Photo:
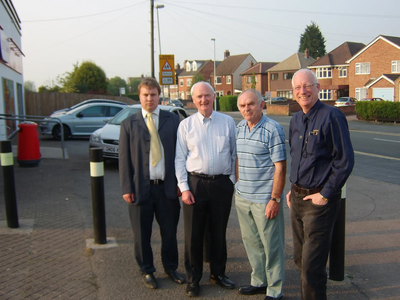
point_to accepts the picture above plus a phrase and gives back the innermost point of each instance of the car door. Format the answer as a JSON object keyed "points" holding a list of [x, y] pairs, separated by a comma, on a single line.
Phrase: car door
{"points": [[92, 118]]}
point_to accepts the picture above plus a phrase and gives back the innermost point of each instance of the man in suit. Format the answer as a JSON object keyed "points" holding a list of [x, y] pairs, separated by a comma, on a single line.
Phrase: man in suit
{"points": [[147, 174]]}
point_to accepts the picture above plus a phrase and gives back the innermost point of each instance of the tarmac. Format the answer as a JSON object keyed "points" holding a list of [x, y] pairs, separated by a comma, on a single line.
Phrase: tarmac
{"points": [[52, 254]]}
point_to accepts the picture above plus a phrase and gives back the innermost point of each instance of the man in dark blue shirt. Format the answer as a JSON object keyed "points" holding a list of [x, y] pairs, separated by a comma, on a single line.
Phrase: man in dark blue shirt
{"points": [[322, 160]]}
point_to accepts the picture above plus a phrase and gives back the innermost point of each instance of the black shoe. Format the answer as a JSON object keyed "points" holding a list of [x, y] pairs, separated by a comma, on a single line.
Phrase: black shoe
{"points": [[150, 281], [252, 290], [192, 289], [222, 281], [272, 298], [174, 275]]}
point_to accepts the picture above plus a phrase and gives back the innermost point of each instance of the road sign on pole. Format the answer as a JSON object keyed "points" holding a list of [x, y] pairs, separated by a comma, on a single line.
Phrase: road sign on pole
{"points": [[167, 69]]}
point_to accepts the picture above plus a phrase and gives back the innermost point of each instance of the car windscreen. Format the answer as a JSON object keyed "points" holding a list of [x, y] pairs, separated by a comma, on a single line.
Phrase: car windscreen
{"points": [[341, 100], [123, 114]]}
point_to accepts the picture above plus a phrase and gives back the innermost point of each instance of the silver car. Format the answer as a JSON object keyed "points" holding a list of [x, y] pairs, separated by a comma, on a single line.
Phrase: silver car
{"points": [[80, 121], [107, 137], [345, 101]]}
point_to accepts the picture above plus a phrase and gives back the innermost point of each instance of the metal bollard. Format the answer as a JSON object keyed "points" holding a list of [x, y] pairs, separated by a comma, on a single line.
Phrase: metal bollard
{"points": [[98, 204], [337, 253], [7, 163]]}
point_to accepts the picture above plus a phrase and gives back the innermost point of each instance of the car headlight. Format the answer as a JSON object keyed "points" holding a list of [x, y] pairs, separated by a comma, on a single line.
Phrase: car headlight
{"points": [[95, 138]]}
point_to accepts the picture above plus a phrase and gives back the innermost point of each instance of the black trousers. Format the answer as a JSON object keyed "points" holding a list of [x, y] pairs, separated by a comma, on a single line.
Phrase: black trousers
{"points": [[166, 212], [312, 227], [213, 201]]}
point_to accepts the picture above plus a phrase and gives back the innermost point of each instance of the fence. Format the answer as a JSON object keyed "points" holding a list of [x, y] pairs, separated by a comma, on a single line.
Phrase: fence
{"points": [[43, 104]]}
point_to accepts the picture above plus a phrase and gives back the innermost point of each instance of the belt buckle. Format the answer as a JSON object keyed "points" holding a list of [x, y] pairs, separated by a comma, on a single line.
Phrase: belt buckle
{"points": [[155, 181]]}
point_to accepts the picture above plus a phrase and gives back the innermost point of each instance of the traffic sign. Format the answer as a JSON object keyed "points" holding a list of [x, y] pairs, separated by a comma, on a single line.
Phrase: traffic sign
{"points": [[167, 69]]}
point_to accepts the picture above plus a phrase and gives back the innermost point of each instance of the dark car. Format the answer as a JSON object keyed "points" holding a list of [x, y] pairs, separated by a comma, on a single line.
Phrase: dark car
{"points": [[87, 102], [175, 102]]}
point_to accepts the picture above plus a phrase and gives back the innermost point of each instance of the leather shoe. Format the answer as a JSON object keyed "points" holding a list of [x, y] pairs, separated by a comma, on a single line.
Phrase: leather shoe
{"points": [[192, 289], [272, 298], [222, 281], [150, 281], [252, 290], [174, 275]]}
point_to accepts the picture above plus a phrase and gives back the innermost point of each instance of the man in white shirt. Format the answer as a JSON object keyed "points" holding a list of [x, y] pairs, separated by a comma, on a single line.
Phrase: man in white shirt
{"points": [[205, 169]]}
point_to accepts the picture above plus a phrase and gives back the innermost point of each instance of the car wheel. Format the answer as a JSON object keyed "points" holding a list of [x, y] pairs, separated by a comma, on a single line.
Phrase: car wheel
{"points": [[57, 132]]}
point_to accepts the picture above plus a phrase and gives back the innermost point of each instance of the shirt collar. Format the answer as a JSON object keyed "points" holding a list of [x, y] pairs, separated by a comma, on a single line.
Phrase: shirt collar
{"points": [[156, 112], [203, 119]]}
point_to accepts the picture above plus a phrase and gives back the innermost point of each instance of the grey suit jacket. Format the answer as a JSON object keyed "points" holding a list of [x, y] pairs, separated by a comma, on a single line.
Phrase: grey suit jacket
{"points": [[134, 151]]}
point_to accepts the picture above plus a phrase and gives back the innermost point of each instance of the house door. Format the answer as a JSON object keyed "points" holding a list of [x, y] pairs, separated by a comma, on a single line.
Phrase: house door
{"points": [[384, 93]]}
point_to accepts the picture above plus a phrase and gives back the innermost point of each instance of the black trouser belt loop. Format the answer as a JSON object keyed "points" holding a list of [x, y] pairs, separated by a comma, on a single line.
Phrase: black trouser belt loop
{"points": [[156, 182], [301, 190], [207, 177]]}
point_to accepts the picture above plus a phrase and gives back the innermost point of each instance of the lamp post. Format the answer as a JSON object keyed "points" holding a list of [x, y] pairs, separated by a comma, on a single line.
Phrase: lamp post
{"points": [[152, 36], [159, 6], [215, 78]]}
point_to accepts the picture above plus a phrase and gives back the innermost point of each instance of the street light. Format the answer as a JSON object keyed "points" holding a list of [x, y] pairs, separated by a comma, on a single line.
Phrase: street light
{"points": [[159, 6], [215, 78]]}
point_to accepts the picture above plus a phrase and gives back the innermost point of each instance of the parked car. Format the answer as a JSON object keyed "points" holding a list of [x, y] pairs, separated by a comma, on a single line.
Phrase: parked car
{"points": [[87, 102], [275, 99], [371, 99], [80, 121], [345, 101], [175, 102], [108, 136]]}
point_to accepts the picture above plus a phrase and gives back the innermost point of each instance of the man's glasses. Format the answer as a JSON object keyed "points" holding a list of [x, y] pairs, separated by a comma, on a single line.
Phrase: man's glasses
{"points": [[306, 87]]}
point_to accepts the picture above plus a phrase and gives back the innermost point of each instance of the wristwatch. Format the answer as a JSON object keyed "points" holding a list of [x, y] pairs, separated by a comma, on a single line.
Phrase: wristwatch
{"points": [[323, 198], [276, 200]]}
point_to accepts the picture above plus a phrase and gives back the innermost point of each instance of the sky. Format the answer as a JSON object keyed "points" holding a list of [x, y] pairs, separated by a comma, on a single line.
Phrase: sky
{"points": [[115, 35]]}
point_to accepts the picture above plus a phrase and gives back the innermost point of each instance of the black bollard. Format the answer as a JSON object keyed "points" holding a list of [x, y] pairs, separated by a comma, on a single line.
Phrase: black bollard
{"points": [[98, 204], [337, 253], [7, 163]]}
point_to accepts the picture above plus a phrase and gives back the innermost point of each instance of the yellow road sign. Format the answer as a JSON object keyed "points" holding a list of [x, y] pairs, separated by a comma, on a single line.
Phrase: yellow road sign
{"points": [[167, 69]]}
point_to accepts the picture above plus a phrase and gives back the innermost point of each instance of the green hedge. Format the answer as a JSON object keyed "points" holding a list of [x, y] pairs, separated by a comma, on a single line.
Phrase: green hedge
{"points": [[228, 103], [134, 96], [378, 110]]}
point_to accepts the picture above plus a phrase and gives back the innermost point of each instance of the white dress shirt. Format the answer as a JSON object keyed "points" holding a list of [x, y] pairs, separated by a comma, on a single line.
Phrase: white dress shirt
{"points": [[157, 172], [205, 145]]}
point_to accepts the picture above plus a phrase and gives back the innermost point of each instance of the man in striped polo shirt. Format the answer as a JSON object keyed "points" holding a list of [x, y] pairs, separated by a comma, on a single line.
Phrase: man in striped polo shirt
{"points": [[261, 171]]}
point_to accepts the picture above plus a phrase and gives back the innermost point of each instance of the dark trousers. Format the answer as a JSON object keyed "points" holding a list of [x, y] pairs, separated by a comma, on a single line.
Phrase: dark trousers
{"points": [[166, 212], [213, 201], [312, 227]]}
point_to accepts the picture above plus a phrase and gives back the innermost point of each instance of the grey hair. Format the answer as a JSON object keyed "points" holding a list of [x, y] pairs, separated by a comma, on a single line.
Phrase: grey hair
{"points": [[257, 93], [305, 70], [205, 82]]}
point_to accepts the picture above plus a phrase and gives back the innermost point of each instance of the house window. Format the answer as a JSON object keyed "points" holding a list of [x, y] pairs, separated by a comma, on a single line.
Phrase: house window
{"points": [[274, 76], [180, 82], [188, 66], [218, 80], [342, 71], [396, 66], [228, 79], [287, 94], [248, 79], [325, 95], [324, 72], [219, 93], [361, 93], [287, 76], [363, 68], [183, 95], [189, 82], [194, 66]]}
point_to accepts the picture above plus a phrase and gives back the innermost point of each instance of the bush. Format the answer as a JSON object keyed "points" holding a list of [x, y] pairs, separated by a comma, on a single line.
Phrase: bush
{"points": [[133, 96], [377, 110], [228, 103]]}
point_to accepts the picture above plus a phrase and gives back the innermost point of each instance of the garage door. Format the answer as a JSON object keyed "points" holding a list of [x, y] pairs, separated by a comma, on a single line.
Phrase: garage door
{"points": [[384, 93]]}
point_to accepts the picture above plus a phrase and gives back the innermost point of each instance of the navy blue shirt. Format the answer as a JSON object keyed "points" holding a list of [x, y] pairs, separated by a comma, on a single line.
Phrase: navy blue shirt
{"points": [[326, 156]]}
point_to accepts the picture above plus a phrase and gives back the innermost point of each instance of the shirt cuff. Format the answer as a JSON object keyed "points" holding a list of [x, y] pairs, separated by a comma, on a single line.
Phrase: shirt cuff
{"points": [[183, 186]]}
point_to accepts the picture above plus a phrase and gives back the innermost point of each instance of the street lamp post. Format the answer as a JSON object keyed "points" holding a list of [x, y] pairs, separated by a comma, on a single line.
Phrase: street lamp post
{"points": [[159, 6], [152, 36], [215, 78]]}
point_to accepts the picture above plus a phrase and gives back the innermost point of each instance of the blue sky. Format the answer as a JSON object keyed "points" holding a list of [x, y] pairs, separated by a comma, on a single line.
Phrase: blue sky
{"points": [[116, 34]]}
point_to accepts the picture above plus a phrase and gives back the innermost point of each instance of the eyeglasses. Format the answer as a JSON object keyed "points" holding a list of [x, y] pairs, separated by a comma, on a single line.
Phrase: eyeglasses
{"points": [[306, 87]]}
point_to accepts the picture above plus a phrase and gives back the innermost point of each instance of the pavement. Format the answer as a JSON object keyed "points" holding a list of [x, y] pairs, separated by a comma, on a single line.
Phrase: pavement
{"points": [[52, 254]]}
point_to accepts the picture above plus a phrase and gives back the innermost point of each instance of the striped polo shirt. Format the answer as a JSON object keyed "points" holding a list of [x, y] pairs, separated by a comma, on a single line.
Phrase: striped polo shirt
{"points": [[257, 150]]}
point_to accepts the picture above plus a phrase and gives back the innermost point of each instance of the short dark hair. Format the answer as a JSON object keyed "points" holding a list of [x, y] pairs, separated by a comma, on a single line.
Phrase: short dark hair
{"points": [[150, 83]]}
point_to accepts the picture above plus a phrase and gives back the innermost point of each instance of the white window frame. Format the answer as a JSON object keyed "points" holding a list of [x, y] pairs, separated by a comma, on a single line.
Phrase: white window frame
{"points": [[219, 93], [395, 66], [360, 93], [286, 75], [228, 79], [180, 82], [183, 95], [189, 82], [325, 95], [274, 76], [188, 66], [342, 72], [325, 72], [194, 66], [218, 78], [363, 68]]}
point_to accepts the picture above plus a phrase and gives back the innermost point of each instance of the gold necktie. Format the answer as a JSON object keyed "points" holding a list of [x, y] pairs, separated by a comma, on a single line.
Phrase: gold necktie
{"points": [[155, 149]]}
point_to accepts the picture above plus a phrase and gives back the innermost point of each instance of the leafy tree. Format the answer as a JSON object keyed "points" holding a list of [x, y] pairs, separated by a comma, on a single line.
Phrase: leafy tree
{"points": [[114, 84], [313, 40], [29, 86], [46, 88], [133, 85], [67, 81], [90, 78], [253, 81], [196, 78]]}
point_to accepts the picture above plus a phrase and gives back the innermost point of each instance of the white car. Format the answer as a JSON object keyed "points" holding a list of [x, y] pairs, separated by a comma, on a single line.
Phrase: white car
{"points": [[107, 137], [345, 101]]}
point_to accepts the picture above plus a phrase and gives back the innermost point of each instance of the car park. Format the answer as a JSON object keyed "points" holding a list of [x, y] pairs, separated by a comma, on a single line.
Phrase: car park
{"points": [[175, 102], [371, 99], [345, 101], [87, 102], [107, 137], [80, 121]]}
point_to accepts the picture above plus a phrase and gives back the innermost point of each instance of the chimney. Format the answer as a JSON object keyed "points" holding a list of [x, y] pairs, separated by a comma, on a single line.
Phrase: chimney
{"points": [[178, 67], [226, 54], [306, 53], [251, 63]]}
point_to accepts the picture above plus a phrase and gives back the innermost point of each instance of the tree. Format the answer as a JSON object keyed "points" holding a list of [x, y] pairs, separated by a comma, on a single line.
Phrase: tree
{"points": [[114, 84], [313, 40], [253, 81], [196, 78], [67, 81], [29, 86], [90, 78], [133, 84], [47, 89]]}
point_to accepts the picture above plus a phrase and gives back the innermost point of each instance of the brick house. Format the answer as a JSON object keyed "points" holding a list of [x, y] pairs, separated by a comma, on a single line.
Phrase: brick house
{"points": [[375, 70], [260, 73], [331, 71], [190, 70], [228, 80], [280, 75]]}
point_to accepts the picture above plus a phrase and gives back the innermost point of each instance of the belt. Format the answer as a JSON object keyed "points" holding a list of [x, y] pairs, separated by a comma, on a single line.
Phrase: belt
{"points": [[156, 182], [207, 177], [301, 190]]}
